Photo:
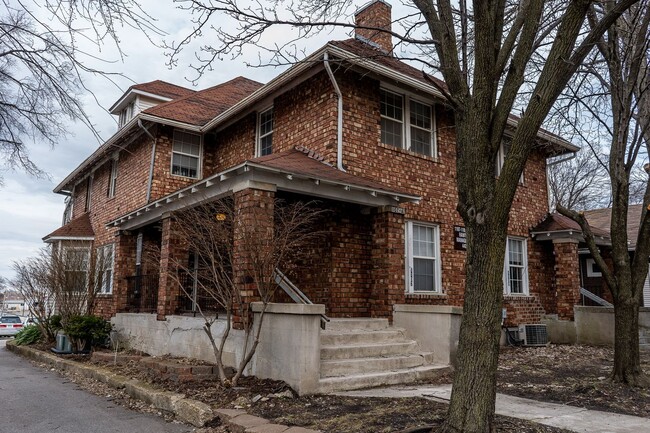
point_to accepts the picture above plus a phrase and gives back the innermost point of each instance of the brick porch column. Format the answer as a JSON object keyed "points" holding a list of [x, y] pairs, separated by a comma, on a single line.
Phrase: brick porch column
{"points": [[567, 277], [124, 266], [171, 249], [253, 208], [387, 261]]}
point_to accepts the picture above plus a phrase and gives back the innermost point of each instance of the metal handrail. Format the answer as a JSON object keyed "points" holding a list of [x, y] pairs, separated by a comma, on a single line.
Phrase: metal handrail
{"points": [[597, 299], [294, 292]]}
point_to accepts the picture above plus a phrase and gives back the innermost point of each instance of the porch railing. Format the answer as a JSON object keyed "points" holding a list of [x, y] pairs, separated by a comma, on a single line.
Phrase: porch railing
{"points": [[142, 293], [594, 298], [194, 298]]}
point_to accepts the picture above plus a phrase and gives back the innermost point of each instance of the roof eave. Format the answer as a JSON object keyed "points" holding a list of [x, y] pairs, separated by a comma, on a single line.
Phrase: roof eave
{"points": [[121, 103]]}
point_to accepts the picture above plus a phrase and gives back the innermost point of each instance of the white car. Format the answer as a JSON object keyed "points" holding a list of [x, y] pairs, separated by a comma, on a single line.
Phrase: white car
{"points": [[10, 325]]}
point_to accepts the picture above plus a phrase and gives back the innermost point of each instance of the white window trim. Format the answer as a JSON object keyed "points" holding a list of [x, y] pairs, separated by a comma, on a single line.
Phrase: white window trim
{"points": [[258, 130], [101, 272], [501, 159], [409, 279], [199, 169], [112, 178], [406, 120], [589, 263], [506, 268]]}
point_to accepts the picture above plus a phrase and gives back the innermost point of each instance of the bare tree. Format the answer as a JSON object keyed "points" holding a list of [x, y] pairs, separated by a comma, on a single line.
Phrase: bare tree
{"points": [[579, 183], [43, 68], [625, 83], [61, 280], [217, 236], [489, 56]]}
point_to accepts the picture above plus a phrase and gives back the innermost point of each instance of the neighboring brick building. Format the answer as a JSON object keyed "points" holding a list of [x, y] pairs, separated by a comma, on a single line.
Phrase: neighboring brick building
{"points": [[388, 176]]}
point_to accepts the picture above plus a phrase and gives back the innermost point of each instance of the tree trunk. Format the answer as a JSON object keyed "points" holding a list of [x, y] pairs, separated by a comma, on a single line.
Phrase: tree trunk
{"points": [[627, 368], [471, 408], [473, 396]]}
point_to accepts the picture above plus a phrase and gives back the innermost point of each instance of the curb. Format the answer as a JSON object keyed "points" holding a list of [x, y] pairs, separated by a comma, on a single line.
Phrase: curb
{"points": [[190, 411]]}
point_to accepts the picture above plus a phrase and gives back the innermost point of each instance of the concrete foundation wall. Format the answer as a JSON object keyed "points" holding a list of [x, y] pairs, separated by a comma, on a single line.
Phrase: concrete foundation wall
{"points": [[289, 347], [435, 327], [177, 336], [595, 325], [560, 331]]}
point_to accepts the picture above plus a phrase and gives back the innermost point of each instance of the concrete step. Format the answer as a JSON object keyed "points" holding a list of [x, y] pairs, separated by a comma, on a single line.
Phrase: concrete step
{"points": [[368, 350], [356, 323], [346, 367], [371, 380], [338, 338]]}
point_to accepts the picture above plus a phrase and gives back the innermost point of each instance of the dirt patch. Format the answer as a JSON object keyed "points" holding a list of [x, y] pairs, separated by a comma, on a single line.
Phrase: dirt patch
{"points": [[573, 375]]}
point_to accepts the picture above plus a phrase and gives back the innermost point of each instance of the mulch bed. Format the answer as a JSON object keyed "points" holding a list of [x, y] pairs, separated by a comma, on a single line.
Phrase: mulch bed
{"points": [[576, 375], [573, 375]]}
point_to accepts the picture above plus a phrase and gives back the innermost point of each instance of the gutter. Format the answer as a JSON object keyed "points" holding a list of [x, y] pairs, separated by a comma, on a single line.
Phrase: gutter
{"points": [[153, 158], [339, 120]]}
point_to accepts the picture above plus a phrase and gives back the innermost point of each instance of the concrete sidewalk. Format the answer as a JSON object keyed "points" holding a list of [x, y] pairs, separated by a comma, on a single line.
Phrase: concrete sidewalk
{"points": [[556, 415]]}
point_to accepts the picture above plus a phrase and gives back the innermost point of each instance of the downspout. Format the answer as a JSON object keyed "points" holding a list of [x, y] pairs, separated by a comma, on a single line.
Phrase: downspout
{"points": [[550, 164], [339, 125], [153, 158]]}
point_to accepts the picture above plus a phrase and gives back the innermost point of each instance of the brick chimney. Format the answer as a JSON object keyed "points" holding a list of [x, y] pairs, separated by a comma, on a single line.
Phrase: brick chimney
{"points": [[375, 14]]}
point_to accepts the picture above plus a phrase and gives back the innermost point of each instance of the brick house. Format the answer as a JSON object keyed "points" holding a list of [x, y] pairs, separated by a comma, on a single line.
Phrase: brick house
{"points": [[365, 133]]}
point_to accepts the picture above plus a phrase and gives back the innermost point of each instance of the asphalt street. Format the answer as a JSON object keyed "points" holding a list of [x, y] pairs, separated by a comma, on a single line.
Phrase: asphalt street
{"points": [[33, 400]]}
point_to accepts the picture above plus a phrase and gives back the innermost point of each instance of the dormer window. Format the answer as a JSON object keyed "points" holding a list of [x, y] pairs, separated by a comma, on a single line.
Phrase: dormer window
{"points": [[186, 154], [407, 123], [127, 114]]}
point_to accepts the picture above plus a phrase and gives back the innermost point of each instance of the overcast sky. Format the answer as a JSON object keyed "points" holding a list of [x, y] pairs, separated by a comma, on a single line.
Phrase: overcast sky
{"points": [[29, 209]]}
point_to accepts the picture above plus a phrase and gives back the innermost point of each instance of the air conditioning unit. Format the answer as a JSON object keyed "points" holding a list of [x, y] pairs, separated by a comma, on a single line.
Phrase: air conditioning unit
{"points": [[533, 335]]}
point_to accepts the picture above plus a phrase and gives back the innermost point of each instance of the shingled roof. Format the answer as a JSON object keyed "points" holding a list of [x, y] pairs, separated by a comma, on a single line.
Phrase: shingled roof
{"points": [[304, 162], [78, 228], [163, 88], [200, 107], [602, 219]]}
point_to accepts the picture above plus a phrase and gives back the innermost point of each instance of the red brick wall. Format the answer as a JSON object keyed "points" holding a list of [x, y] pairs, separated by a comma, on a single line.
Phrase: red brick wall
{"points": [[378, 14], [567, 282]]}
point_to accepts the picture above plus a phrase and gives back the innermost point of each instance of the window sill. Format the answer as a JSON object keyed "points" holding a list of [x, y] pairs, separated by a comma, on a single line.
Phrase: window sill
{"points": [[518, 297], [425, 295], [408, 152], [104, 295]]}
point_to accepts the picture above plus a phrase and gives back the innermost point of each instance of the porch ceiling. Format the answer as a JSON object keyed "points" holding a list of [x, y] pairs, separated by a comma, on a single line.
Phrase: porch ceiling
{"points": [[269, 174]]}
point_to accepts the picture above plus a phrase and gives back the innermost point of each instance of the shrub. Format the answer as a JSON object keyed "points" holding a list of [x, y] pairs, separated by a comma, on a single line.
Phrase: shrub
{"points": [[28, 335], [87, 331]]}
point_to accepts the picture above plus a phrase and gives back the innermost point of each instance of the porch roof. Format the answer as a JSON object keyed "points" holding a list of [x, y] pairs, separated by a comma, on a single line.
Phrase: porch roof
{"points": [[78, 229], [298, 170], [557, 226]]}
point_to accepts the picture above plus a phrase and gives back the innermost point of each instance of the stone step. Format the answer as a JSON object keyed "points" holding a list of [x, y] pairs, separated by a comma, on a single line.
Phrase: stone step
{"points": [[356, 323], [371, 380], [368, 350], [343, 367], [338, 338]]}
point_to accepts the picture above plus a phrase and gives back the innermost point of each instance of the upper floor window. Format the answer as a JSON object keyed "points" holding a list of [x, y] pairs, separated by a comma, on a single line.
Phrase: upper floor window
{"points": [[67, 213], [112, 179], [423, 258], [265, 133], [502, 153], [515, 270], [89, 193], [126, 114], [407, 123], [186, 153]]}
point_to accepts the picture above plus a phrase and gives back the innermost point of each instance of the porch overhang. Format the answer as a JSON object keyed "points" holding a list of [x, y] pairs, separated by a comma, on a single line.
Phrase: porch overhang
{"points": [[575, 235], [257, 175]]}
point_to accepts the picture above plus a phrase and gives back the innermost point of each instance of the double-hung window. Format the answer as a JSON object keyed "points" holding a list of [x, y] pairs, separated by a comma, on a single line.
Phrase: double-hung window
{"points": [[423, 258], [75, 265], [515, 273], [186, 154], [407, 123], [104, 268], [504, 149], [265, 133], [112, 179]]}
